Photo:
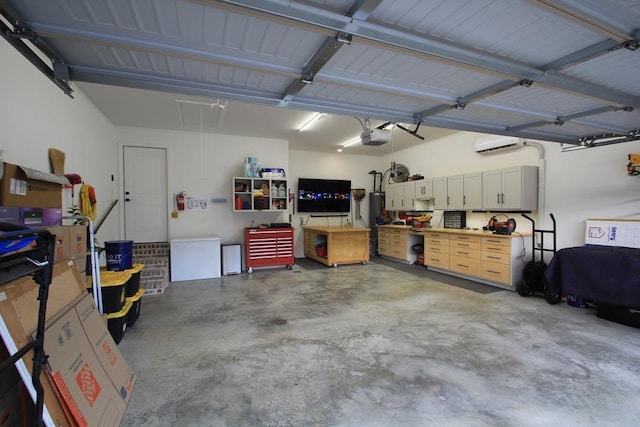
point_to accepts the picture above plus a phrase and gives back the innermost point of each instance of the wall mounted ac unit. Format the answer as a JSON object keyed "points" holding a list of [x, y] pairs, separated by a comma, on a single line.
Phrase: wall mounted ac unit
{"points": [[495, 143]]}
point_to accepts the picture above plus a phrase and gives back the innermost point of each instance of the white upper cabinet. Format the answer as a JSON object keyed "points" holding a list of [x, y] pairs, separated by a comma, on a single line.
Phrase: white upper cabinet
{"points": [[455, 192], [409, 202], [472, 199], [440, 193], [424, 189], [402, 197], [389, 196], [513, 188]]}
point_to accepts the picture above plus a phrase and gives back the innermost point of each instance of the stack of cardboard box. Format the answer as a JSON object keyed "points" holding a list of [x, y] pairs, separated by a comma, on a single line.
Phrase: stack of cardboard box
{"points": [[86, 381], [34, 199]]}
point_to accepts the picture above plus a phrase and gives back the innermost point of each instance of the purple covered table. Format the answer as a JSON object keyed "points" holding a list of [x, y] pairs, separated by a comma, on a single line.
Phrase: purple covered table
{"points": [[600, 273]]}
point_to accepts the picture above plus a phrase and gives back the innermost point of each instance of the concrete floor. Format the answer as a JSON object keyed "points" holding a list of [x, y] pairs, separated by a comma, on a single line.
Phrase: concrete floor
{"points": [[369, 345]]}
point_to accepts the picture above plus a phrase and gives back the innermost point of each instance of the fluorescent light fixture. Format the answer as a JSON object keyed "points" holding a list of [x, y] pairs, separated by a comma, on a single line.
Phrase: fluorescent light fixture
{"points": [[352, 142], [308, 122]]}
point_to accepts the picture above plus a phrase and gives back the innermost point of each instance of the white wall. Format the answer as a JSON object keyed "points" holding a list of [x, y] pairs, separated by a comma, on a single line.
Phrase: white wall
{"points": [[306, 164], [210, 175], [582, 184], [36, 115]]}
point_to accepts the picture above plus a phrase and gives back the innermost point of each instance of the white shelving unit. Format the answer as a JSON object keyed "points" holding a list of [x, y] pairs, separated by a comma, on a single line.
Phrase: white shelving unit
{"points": [[260, 194]]}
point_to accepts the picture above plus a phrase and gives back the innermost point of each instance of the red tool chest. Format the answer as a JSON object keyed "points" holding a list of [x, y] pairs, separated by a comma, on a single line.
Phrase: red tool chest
{"points": [[268, 247]]}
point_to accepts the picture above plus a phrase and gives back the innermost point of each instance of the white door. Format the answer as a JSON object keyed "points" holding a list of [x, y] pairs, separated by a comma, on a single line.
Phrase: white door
{"points": [[145, 194]]}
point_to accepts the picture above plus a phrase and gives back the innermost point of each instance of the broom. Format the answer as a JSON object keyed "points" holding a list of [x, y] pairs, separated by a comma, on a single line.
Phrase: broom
{"points": [[56, 157]]}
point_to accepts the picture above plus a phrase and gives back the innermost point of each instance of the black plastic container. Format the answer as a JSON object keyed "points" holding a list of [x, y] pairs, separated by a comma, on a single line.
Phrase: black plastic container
{"points": [[133, 285], [113, 289], [117, 323], [136, 305], [629, 316]]}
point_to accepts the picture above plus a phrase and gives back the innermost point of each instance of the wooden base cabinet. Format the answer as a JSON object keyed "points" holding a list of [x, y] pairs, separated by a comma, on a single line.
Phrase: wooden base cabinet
{"points": [[333, 246], [384, 241], [396, 241], [488, 258], [436, 250], [496, 260], [464, 254]]}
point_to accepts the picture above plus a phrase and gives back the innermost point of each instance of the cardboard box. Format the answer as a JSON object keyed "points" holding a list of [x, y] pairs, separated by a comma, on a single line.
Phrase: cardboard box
{"points": [[120, 373], [71, 242], [27, 187], [31, 217], [61, 250], [66, 287], [78, 375], [19, 307], [87, 377], [77, 240], [613, 232]]}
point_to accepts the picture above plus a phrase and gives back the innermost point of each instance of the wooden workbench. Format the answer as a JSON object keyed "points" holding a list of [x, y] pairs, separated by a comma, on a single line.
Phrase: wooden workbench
{"points": [[344, 245]]}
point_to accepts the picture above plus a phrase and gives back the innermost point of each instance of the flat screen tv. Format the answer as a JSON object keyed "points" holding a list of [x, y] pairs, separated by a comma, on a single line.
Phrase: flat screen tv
{"points": [[324, 195]]}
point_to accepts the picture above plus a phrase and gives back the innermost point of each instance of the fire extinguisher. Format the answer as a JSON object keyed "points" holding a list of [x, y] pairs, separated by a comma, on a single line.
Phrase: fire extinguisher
{"points": [[180, 201]]}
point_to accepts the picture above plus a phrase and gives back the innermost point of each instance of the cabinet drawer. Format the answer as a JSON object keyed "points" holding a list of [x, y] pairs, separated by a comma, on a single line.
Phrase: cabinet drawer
{"points": [[465, 244], [398, 252], [437, 260], [437, 235], [436, 249], [383, 244], [465, 238], [497, 257], [398, 240], [435, 240], [464, 252], [464, 265], [493, 241], [398, 232], [496, 272]]}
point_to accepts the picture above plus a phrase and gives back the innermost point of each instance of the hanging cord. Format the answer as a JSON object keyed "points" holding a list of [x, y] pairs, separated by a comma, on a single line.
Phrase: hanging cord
{"points": [[201, 148]]}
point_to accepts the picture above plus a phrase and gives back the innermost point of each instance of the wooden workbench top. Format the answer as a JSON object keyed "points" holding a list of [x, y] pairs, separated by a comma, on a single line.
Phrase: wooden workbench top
{"points": [[334, 229]]}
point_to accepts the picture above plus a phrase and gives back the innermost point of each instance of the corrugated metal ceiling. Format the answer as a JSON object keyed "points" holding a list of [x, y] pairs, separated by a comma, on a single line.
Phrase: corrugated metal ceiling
{"points": [[563, 71]]}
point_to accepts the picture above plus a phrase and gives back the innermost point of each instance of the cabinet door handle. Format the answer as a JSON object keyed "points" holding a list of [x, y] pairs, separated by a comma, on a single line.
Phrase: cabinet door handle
{"points": [[502, 199], [498, 201]]}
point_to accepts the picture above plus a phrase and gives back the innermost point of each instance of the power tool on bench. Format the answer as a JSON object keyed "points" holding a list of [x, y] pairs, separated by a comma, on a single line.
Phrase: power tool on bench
{"points": [[502, 227]]}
